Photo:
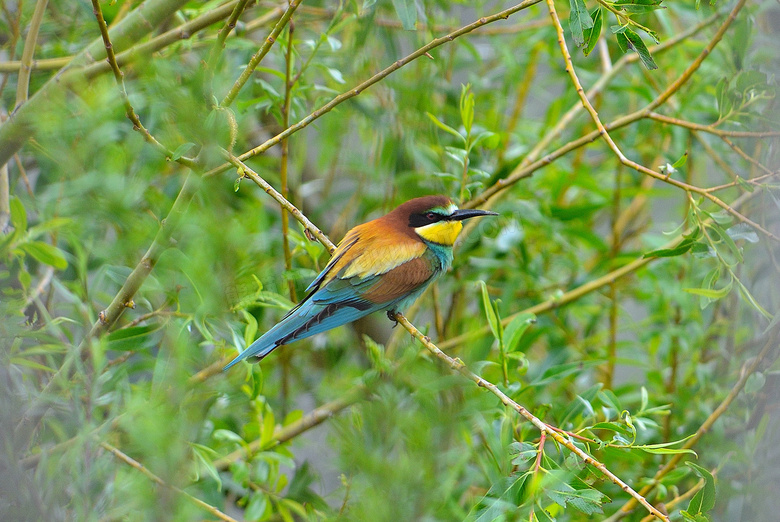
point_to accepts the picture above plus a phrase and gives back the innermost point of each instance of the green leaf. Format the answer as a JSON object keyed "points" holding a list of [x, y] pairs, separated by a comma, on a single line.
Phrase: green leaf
{"points": [[258, 503], [490, 312], [704, 499], [592, 34], [755, 382], [683, 247], [681, 160], [588, 501], [561, 371], [132, 338], [204, 455], [467, 108], [611, 426], [579, 20], [638, 6], [18, 215], [664, 445], [445, 127], [747, 296], [407, 13], [515, 330], [635, 43], [46, 254], [335, 74], [250, 332], [181, 150], [711, 293]]}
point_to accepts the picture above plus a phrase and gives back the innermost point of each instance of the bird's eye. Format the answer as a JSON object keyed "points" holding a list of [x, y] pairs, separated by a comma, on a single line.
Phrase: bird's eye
{"points": [[431, 216]]}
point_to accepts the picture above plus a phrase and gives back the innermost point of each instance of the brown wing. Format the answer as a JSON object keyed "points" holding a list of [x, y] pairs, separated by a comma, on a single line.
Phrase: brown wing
{"points": [[399, 281]]}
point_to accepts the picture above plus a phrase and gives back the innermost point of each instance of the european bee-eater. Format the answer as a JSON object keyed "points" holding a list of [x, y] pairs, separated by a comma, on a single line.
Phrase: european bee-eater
{"points": [[384, 264]]}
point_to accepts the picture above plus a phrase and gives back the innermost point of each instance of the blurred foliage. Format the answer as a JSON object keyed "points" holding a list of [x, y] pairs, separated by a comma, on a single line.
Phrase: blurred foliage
{"points": [[633, 368]]}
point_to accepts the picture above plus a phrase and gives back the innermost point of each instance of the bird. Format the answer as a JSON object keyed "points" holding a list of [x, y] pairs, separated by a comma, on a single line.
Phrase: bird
{"points": [[383, 264]]}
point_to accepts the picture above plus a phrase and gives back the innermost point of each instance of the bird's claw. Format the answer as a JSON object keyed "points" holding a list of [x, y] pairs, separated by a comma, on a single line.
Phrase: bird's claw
{"points": [[391, 316]]}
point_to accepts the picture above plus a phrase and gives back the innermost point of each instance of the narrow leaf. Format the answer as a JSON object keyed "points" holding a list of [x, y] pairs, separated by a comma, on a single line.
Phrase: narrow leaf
{"points": [[579, 21], [407, 13], [46, 254], [446, 128], [592, 35], [489, 311], [639, 46], [704, 499]]}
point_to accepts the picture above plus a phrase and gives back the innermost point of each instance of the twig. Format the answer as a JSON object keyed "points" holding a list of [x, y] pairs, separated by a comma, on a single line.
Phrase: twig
{"points": [[709, 128], [118, 75], [460, 367], [219, 44], [355, 91], [21, 125], [282, 435], [260, 54], [747, 371], [584, 289], [245, 171], [23, 81], [157, 480], [284, 166]]}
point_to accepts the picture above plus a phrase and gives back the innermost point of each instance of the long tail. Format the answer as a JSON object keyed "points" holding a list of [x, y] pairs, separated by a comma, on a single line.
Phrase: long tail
{"points": [[307, 319]]}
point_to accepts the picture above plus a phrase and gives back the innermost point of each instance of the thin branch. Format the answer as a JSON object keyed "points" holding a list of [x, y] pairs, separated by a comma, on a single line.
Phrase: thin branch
{"points": [[745, 374], [260, 54], [219, 44], [245, 171], [584, 289], [709, 128], [284, 166], [578, 86], [282, 435], [122, 300], [460, 367], [160, 482], [119, 76], [22, 123], [355, 91], [23, 81]]}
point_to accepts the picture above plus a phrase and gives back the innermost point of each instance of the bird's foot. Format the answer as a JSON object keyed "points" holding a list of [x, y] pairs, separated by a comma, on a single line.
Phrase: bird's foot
{"points": [[391, 316]]}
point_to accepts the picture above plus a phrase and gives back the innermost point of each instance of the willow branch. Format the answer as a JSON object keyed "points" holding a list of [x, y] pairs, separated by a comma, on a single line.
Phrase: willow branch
{"points": [[355, 91], [282, 435], [160, 482], [246, 171], [745, 374], [460, 367], [119, 77], [23, 81], [710, 129], [260, 54], [219, 44]]}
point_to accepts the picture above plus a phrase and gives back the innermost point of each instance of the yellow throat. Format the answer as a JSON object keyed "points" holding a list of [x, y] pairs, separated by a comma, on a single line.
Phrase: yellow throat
{"points": [[441, 232]]}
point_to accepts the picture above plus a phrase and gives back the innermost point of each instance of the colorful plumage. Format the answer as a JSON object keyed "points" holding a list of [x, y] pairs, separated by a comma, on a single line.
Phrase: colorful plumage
{"points": [[384, 264]]}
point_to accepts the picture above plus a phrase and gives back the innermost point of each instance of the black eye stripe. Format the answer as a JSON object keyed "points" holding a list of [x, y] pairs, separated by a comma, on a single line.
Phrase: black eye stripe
{"points": [[426, 218]]}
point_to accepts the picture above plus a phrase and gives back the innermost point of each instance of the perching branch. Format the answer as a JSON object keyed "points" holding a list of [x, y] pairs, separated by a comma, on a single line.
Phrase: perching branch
{"points": [[457, 365]]}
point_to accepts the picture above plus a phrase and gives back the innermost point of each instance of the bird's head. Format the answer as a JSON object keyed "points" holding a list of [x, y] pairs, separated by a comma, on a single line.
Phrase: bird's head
{"points": [[435, 219]]}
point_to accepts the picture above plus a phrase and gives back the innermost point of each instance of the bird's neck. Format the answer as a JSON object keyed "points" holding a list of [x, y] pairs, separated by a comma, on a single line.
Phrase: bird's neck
{"points": [[441, 254]]}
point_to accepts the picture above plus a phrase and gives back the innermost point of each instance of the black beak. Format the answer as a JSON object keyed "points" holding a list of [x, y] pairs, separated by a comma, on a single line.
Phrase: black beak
{"points": [[466, 213]]}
